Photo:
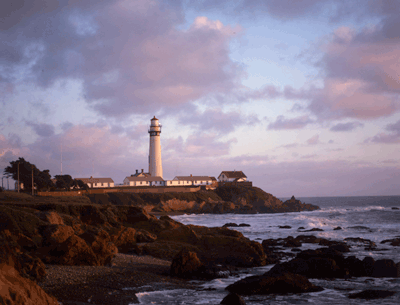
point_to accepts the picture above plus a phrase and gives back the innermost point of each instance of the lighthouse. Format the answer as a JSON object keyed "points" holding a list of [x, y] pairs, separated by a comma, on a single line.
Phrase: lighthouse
{"points": [[155, 165]]}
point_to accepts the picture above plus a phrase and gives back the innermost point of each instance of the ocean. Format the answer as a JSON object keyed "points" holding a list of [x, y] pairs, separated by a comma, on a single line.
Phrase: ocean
{"points": [[376, 218]]}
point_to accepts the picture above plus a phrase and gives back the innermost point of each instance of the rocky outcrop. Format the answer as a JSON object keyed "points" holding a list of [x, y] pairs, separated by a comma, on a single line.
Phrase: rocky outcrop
{"points": [[371, 294], [16, 290], [273, 283], [233, 299], [185, 264]]}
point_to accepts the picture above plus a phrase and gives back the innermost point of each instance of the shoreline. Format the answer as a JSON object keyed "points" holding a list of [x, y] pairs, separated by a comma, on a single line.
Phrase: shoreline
{"points": [[117, 283]]}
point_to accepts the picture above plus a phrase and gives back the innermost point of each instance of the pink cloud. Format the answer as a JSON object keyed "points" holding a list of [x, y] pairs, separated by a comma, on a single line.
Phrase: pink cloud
{"points": [[293, 123], [313, 140]]}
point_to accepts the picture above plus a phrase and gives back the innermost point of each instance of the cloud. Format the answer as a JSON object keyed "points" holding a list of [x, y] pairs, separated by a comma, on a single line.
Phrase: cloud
{"points": [[294, 123], [346, 126], [150, 64], [313, 140], [216, 120], [393, 137], [42, 129]]}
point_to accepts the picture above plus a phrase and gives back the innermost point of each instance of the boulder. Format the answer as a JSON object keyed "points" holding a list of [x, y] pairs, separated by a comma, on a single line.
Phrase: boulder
{"points": [[368, 265], [56, 234], [124, 239], [393, 242], [372, 294], [182, 234], [185, 264], [233, 299], [51, 217], [384, 268], [337, 228], [277, 284], [100, 243], [142, 236], [17, 290], [92, 215], [230, 224], [73, 252], [285, 227], [244, 225]]}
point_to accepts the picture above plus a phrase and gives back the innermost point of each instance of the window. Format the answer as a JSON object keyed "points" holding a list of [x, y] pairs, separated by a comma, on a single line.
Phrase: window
{"points": [[140, 182]]}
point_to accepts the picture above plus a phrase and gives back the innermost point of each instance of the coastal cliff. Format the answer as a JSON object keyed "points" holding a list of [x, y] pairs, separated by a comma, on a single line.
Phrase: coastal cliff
{"points": [[224, 199]]}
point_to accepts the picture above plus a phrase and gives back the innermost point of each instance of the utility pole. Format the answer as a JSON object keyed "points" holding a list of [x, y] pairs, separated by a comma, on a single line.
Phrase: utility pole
{"points": [[32, 179], [61, 159], [18, 176], [8, 185]]}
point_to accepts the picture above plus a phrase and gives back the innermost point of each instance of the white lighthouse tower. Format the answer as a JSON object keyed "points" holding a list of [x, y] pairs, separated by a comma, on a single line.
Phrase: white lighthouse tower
{"points": [[155, 165]]}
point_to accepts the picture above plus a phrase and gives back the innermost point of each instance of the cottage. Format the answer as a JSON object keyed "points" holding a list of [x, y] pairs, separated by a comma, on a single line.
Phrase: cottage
{"points": [[190, 180], [232, 176], [143, 180], [97, 182]]}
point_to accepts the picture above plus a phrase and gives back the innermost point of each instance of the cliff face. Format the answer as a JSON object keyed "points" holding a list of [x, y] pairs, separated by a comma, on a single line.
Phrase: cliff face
{"points": [[226, 199]]}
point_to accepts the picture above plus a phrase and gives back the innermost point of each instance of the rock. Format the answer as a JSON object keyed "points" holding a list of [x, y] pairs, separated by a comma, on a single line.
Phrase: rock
{"points": [[359, 240], [308, 239], [51, 217], [73, 252], [301, 228], [56, 234], [384, 268], [371, 294], [100, 243], [124, 239], [285, 227], [314, 230], [92, 215], [393, 242], [395, 208], [244, 225], [185, 264], [340, 247], [337, 228], [230, 224], [18, 290], [276, 284], [233, 299], [182, 234], [368, 265], [142, 236]]}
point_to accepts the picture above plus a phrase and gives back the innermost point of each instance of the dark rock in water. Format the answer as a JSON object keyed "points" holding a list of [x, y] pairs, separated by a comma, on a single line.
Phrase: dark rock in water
{"points": [[285, 227], [233, 299], [368, 265], [185, 264], [384, 268], [314, 230], [371, 294], [308, 239], [244, 225], [337, 228], [230, 224], [271, 283], [393, 242], [395, 208], [359, 240], [340, 247], [361, 228], [301, 228]]}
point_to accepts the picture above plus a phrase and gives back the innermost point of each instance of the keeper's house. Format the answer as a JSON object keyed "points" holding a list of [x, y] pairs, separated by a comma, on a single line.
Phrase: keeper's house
{"points": [[144, 180], [190, 180], [97, 182], [232, 176]]}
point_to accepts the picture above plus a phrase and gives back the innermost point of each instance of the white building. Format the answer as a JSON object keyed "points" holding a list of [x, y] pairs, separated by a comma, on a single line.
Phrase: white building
{"points": [[144, 181], [232, 176], [189, 180], [155, 164], [97, 182]]}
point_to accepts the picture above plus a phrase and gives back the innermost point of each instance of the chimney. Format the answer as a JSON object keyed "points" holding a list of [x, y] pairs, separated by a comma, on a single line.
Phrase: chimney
{"points": [[191, 175], [137, 171], [142, 170]]}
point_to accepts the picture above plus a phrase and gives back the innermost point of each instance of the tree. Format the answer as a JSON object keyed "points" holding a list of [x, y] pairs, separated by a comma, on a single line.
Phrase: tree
{"points": [[64, 182], [23, 168], [79, 184]]}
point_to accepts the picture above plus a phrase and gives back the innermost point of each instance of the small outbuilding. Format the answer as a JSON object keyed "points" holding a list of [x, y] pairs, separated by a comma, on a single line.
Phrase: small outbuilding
{"points": [[232, 176], [97, 182], [144, 180]]}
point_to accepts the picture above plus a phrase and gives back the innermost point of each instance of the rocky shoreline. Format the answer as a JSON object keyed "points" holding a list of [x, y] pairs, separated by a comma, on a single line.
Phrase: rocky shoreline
{"points": [[77, 252]]}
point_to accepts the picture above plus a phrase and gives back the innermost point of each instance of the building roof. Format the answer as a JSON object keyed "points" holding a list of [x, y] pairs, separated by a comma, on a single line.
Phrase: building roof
{"points": [[192, 178], [233, 174], [142, 178], [153, 119], [95, 180]]}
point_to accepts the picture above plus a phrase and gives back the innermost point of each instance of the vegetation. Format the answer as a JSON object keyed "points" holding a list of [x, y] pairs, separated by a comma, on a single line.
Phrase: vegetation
{"points": [[24, 170]]}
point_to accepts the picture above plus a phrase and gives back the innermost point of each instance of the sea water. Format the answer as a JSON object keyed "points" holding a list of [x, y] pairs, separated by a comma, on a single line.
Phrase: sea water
{"points": [[373, 218]]}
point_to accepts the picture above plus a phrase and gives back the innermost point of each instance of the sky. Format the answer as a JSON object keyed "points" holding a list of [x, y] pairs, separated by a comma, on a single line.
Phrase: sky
{"points": [[302, 96]]}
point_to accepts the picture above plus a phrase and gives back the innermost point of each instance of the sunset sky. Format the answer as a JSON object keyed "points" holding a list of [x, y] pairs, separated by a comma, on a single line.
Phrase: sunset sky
{"points": [[302, 96]]}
